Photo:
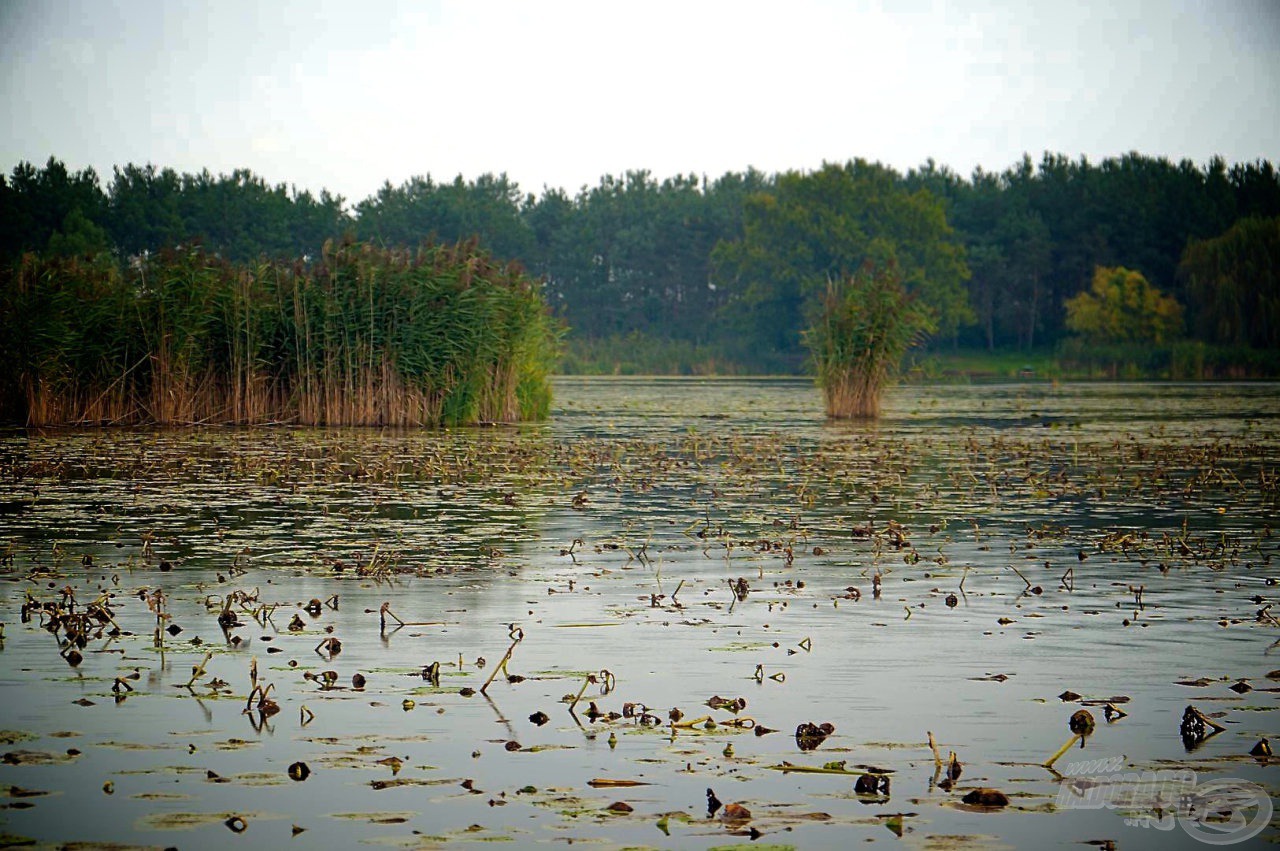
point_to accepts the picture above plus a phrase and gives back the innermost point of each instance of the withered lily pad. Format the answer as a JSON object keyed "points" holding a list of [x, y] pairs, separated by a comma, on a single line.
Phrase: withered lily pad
{"points": [[378, 817], [23, 757], [190, 821]]}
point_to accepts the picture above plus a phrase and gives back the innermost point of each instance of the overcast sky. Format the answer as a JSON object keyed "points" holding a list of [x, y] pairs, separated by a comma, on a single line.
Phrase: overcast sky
{"points": [[347, 95]]}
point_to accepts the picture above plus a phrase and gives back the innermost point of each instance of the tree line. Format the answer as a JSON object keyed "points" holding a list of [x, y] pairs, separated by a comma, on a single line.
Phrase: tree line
{"points": [[730, 270]]}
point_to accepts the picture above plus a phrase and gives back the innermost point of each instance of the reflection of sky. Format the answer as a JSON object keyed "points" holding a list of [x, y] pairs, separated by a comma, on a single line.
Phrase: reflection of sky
{"points": [[656, 481]]}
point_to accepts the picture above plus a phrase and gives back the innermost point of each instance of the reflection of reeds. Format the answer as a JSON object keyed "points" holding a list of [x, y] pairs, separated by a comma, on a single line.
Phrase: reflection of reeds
{"points": [[361, 336]]}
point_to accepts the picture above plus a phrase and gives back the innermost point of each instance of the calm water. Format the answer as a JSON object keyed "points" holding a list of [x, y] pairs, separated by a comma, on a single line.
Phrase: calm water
{"points": [[1109, 540]]}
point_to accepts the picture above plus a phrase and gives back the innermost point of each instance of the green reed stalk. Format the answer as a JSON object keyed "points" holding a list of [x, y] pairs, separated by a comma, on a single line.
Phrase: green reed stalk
{"points": [[866, 323], [362, 336]]}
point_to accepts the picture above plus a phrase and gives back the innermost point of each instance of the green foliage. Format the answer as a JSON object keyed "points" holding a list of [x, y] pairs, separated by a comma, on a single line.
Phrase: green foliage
{"points": [[1122, 307], [865, 324], [78, 236], [829, 224], [633, 254], [487, 209], [636, 255], [36, 204], [1076, 359], [1233, 284], [364, 336]]}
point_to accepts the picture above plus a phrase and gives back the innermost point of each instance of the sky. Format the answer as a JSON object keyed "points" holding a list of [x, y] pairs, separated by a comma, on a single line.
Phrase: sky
{"points": [[345, 96]]}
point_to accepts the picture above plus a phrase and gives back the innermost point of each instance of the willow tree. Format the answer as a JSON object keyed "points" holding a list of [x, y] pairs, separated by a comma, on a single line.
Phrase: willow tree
{"points": [[864, 325], [1233, 284]]}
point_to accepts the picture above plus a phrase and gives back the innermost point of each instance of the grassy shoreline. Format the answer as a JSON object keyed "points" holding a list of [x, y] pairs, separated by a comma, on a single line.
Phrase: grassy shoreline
{"points": [[635, 355]]}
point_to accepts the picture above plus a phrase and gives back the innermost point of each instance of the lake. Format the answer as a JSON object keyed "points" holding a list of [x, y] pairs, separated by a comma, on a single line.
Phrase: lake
{"points": [[252, 637]]}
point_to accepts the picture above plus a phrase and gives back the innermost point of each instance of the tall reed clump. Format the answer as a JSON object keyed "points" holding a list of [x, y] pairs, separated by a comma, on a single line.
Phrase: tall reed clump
{"points": [[865, 324], [362, 336], [68, 349]]}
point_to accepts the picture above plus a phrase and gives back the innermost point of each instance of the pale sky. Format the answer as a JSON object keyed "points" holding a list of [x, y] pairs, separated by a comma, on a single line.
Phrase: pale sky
{"points": [[346, 95]]}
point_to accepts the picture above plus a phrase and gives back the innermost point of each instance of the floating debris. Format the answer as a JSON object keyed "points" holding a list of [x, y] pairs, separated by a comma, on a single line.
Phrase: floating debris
{"points": [[614, 783], [1196, 727], [872, 785], [735, 705], [809, 735], [713, 804], [986, 797]]}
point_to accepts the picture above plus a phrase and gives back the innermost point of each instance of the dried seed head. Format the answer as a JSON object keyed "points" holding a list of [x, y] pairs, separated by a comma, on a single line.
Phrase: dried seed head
{"points": [[1081, 722]]}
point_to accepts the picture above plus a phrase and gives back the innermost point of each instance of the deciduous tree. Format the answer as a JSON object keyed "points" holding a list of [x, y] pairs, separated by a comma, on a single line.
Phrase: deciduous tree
{"points": [[1121, 306]]}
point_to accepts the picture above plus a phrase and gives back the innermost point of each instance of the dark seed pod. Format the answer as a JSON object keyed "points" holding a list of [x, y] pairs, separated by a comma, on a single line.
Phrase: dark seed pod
{"points": [[1081, 722], [299, 771]]}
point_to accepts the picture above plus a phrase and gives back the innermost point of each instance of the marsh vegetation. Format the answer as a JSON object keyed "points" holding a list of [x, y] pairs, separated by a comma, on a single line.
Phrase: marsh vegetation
{"points": [[676, 614], [700, 274], [438, 335]]}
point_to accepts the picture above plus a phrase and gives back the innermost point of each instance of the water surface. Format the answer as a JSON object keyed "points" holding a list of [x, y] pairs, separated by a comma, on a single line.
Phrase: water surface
{"points": [[1112, 540]]}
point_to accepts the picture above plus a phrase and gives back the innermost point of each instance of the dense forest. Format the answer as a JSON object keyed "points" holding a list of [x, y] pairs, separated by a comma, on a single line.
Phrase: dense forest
{"points": [[722, 274]]}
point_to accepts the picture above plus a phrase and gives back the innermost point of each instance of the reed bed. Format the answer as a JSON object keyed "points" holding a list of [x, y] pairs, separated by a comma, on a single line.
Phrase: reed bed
{"points": [[442, 335], [867, 322]]}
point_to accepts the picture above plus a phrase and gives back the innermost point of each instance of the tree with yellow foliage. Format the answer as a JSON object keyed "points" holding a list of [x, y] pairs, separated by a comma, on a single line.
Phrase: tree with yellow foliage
{"points": [[1123, 307]]}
